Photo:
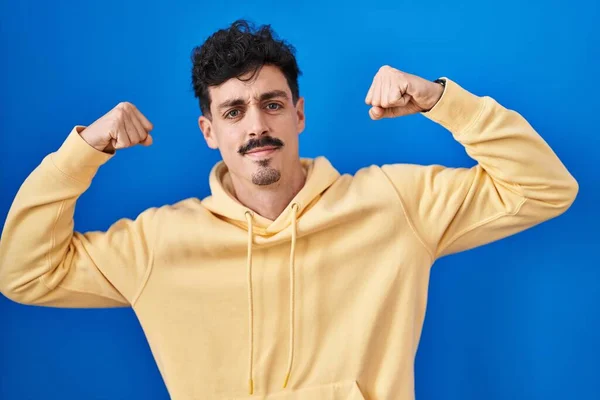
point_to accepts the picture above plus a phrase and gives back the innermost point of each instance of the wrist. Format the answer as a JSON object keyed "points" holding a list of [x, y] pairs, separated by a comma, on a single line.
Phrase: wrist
{"points": [[95, 144], [437, 90]]}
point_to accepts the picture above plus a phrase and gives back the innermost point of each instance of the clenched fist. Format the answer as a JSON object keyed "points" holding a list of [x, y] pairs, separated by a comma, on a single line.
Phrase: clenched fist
{"points": [[394, 93], [123, 126]]}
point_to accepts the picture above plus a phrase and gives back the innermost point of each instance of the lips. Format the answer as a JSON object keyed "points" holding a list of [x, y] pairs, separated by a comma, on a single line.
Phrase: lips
{"points": [[261, 152]]}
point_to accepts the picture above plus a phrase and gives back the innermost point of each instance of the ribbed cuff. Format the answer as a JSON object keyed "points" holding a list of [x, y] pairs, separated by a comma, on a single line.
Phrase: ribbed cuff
{"points": [[457, 109], [77, 159]]}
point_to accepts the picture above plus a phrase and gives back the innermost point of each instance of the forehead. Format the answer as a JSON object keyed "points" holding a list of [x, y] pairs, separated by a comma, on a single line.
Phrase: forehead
{"points": [[267, 79]]}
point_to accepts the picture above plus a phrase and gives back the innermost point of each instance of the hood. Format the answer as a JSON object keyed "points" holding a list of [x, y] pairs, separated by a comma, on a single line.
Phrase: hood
{"points": [[320, 174]]}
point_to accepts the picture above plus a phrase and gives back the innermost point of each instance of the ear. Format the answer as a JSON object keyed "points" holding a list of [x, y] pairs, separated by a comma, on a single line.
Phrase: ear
{"points": [[206, 128], [300, 114]]}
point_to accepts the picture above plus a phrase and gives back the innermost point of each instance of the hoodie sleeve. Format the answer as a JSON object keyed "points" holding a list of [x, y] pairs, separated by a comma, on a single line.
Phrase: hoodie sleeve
{"points": [[44, 262], [518, 181]]}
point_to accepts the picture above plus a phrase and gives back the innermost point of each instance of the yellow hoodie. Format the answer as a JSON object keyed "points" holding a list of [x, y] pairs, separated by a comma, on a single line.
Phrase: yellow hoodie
{"points": [[328, 299]]}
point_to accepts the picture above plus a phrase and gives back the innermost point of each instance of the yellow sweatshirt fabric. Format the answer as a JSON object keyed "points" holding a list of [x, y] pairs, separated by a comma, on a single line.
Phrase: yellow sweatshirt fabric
{"points": [[329, 298]]}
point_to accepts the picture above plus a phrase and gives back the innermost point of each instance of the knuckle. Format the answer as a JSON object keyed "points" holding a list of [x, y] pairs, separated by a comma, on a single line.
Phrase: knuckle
{"points": [[119, 113], [124, 105]]}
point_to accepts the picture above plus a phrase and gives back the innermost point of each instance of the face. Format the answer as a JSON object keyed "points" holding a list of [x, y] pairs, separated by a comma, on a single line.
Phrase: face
{"points": [[255, 126]]}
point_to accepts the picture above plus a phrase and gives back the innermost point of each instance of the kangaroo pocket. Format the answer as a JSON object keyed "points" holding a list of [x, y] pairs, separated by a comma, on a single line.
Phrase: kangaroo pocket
{"points": [[344, 390]]}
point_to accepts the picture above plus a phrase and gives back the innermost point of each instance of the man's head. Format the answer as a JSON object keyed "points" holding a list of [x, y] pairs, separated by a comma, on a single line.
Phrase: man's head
{"points": [[247, 85]]}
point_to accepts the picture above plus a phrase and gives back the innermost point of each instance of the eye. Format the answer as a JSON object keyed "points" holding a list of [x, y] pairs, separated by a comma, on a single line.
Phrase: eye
{"points": [[232, 114], [277, 106]]}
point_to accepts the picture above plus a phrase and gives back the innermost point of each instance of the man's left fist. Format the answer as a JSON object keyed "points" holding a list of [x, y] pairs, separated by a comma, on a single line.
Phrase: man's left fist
{"points": [[394, 93]]}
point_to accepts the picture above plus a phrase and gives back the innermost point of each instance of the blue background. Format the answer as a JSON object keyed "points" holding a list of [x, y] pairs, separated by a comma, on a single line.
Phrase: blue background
{"points": [[516, 319]]}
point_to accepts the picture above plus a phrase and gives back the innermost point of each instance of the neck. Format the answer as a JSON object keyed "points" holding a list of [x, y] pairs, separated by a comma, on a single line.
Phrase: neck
{"points": [[270, 201]]}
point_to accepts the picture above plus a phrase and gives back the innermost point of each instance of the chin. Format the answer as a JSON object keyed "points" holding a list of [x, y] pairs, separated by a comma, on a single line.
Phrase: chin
{"points": [[266, 174]]}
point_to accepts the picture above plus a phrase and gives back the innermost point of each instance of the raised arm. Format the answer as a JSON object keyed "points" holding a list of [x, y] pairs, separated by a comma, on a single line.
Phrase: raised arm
{"points": [[42, 260], [518, 182]]}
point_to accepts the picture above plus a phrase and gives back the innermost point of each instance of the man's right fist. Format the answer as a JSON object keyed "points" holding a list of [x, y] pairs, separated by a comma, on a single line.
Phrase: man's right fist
{"points": [[123, 126]]}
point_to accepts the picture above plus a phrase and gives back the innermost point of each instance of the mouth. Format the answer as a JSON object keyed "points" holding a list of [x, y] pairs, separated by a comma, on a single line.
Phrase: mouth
{"points": [[262, 152]]}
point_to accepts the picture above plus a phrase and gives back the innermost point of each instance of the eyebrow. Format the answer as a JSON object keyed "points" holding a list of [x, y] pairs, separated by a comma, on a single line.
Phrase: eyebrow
{"points": [[264, 96]]}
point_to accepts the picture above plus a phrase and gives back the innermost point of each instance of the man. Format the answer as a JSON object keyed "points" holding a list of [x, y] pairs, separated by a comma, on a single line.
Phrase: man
{"points": [[290, 280]]}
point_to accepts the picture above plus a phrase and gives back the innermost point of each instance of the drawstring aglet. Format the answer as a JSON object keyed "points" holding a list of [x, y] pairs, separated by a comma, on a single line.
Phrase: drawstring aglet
{"points": [[287, 378]]}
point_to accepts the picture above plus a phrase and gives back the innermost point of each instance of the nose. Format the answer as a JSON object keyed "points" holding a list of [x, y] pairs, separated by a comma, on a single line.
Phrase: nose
{"points": [[257, 123]]}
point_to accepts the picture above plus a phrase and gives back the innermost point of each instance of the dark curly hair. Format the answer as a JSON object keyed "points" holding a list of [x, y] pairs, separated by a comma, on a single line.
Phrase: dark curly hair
{"points": [[237, 50]]}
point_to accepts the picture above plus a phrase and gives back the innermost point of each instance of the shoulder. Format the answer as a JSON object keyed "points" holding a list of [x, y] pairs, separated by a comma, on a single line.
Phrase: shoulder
{"points": [[185, 209]]}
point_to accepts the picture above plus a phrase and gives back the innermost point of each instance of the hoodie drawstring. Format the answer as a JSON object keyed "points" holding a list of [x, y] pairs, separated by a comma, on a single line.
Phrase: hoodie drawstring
{"points": [[250, 300], [292, 293], [248, 214]]}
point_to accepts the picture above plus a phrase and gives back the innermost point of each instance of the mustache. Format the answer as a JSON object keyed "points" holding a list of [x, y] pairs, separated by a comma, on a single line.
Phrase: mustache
{"points": [[262, 141]]}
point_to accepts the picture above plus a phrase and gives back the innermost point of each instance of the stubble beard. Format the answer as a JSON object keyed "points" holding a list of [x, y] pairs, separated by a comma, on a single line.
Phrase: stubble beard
{"points": [[266, 175]]}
